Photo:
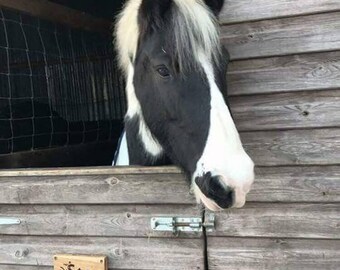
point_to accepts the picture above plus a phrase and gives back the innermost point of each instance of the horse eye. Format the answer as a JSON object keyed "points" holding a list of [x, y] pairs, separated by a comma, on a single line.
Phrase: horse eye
{"points": [[164, 72]]}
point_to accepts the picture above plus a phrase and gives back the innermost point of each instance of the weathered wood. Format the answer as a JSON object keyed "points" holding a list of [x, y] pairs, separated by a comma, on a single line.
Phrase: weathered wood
{"points": [[23, 267], [287, 110], [60, 14], [277, 184], [92, 220], [102, 170], [123, 253], [311, 33], [293, 147], [251, 253], [249, 10], [286, 73], [280, 220], [296, 184], [104, 189]]}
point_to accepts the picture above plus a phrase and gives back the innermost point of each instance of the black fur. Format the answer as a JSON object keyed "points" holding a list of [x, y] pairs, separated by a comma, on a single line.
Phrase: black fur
{"points": [[213, 188], [215, 5]]}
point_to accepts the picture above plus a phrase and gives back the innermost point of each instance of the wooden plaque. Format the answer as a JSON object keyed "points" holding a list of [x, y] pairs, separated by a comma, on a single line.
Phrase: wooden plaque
{"points": [[79, 262]]}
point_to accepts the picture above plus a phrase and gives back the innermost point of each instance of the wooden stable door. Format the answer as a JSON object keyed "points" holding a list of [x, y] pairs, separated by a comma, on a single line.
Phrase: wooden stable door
{"points": [[97, 211]]}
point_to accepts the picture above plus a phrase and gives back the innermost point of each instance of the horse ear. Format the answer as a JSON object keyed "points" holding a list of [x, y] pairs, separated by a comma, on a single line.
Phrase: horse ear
{"points": [[215, 5]]}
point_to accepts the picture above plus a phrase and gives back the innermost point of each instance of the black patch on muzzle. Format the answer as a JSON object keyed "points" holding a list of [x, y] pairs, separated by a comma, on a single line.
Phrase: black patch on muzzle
{"points": [[213, 189]]}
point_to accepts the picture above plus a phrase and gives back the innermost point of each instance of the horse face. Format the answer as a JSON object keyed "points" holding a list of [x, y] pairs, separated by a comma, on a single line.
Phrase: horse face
{"points": [[175, 77]]}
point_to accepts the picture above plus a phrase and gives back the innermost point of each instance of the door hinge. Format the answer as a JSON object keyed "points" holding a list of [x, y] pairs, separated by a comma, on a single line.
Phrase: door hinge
{"points": [[182, 224], [9, 221]]}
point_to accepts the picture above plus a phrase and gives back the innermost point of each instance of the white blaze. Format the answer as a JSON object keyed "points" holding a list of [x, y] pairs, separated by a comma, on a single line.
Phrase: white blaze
{"points": [[223, 154]]}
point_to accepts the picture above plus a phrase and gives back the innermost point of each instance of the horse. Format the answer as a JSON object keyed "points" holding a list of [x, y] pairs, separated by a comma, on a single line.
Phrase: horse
{"points": [[178, 112]]}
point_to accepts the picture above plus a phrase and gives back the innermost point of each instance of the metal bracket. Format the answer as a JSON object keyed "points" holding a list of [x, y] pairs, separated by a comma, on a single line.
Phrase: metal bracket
{"points": [[9, 221], [181, 224]]}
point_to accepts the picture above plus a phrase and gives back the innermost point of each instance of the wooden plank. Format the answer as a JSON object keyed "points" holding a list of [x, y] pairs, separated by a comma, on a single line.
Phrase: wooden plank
{"points": [[23, 267], [60, 14], [286, 73], [296, 184], [280, 220], [277, 184], [252, 253], [293, 147], [92, 220], [87, 171], [313, 33], [249, 10], [287, 110], [123, 253], [103, 189]]}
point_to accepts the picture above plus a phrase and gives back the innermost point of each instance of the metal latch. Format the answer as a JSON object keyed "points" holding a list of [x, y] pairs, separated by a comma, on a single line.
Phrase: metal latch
{"points": [[182, 224], [9, 221]]}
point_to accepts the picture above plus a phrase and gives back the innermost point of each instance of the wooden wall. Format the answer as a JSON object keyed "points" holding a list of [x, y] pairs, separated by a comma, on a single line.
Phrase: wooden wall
{"points": [[284, 86], [97, 211]]}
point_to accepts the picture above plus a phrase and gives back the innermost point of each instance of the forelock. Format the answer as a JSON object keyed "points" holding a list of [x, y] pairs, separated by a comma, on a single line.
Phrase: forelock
{"points": [[189, 27]]}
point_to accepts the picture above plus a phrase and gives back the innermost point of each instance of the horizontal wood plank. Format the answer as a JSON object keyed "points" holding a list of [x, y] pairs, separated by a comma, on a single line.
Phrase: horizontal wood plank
{"points": [[273, 184], [23, 267], [296, 184], [248, 10], [92, 220], [293, 147], [286, 73], [288, 254], [280, 220], [287, 110], [86, 171], [313, 33], [103, 189], [123, 253], [60, 14]]}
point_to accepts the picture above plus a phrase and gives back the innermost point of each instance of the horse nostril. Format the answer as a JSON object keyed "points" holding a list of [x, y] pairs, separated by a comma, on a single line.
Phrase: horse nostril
{"points": [[213, 188]]}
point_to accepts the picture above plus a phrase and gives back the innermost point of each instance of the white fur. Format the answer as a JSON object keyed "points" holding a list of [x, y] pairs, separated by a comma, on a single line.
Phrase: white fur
{"points": [[196, 30], [194, 18], [127, 33], [223, 154]]}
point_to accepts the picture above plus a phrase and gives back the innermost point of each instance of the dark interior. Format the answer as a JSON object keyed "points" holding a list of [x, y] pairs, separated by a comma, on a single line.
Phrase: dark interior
{"points": [[62, 98]]}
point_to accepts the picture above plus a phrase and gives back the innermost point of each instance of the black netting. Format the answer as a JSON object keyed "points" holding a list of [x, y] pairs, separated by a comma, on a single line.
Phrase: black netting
{"points": [[58, 86]]}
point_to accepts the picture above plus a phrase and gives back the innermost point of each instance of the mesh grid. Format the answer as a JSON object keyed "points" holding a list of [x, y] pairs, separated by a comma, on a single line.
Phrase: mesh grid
{"points": [[58, 86]]}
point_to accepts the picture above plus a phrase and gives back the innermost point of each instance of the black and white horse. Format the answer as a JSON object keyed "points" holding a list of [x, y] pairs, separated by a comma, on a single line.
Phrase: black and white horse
{"points": [[175, 68]]}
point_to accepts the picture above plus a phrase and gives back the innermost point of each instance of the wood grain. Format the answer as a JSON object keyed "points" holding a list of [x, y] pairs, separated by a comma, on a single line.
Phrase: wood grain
{"points": [[273, 184], [84, 171], [316, 71], [248, 10], [280, 220], [23, 267], [296, 184], [60, 14], [287, 110], [289, 254], [92, 220], [103, 189], [293, 147], [123, 253], [313, 33]]}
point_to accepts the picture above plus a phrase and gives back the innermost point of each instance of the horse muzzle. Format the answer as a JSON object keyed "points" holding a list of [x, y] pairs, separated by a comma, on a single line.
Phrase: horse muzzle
{"points": [[216, 195]]}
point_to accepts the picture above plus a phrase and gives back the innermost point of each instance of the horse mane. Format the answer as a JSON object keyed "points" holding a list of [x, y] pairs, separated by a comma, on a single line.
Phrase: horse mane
{"points": [[191, 26]]}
